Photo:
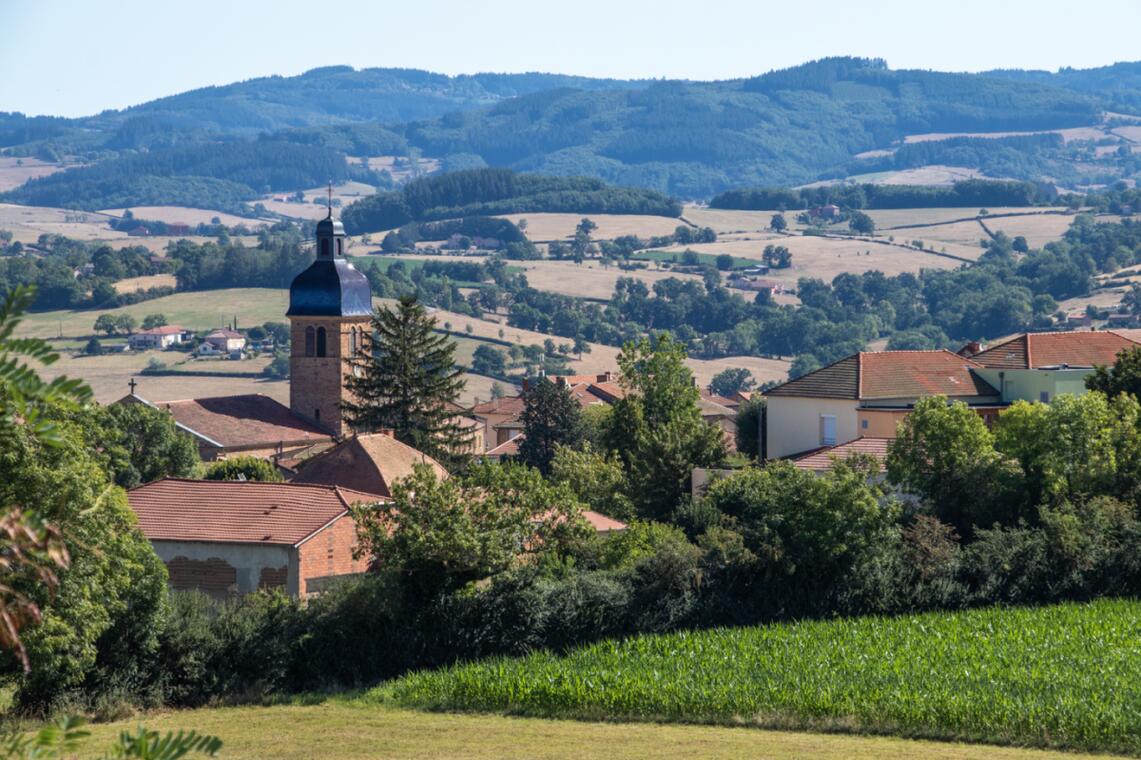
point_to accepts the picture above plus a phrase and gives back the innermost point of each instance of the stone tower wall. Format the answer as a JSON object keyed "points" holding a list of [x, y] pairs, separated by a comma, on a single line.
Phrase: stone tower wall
{"points": [[316, 383]]}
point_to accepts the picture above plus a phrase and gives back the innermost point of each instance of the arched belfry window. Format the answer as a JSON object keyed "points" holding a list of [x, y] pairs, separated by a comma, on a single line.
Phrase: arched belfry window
{"points": [[320, 341], [354, 341], [324, 248], [309, 341], [317, 415], [340, 247]]}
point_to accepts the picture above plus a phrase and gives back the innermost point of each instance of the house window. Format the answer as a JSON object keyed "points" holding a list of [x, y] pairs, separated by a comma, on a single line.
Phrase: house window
{"points": [[309, 341], [827, 430], [320, 341], [864, 424], [1044, 397]]}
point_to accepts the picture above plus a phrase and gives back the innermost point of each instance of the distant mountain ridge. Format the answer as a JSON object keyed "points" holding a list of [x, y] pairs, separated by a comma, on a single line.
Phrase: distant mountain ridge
{"points": [[688, 139]]}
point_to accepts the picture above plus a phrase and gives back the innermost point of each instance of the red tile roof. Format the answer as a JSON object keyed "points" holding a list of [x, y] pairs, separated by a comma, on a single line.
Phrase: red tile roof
{"points": [[508, 448], [890, 374], [369, 463], [1054, 349], [601, 523], [224, 332], [822, 459], [164, 330], [286, 514], [506, 405], [243, 421]]}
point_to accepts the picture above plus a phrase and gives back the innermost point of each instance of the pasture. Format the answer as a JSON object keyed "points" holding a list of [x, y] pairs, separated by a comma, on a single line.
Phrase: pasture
{"points": [[1064, 676], [826, 257], [109, 374], [544, 227], [354, 729], [16, 171], [184, 215]]}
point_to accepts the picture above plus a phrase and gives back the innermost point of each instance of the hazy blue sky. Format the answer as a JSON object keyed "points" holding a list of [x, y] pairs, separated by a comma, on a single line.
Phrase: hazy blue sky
{"points": [[76, 57]]}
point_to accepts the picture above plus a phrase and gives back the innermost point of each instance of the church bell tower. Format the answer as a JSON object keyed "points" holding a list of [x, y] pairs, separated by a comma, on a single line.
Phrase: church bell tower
{"points": [[330, 304]]}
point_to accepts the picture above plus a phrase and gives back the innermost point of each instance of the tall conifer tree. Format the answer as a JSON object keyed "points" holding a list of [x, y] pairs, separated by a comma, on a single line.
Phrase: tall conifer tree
{"points": [[406, 379]]}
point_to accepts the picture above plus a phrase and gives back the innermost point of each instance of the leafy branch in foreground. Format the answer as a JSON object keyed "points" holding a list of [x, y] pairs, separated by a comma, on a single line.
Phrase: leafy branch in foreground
{"points": [[64, 737], [23, 393]]}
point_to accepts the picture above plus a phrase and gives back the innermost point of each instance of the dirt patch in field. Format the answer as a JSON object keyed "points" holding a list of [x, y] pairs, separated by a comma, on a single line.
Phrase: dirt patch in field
{"points": [[131, 284]]}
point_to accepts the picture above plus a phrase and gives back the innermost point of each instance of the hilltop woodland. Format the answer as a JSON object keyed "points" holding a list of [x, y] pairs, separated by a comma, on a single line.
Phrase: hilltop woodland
{"points": [[223, 147], [1041, 509]]}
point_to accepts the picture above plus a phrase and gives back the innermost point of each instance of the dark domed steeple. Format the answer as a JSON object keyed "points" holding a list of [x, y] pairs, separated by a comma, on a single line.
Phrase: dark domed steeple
{"points": [[331, 286]]}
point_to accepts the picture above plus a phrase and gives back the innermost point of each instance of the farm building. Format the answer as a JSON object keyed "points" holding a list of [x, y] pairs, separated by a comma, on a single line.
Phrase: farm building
{"points": [[225, 340], [226, 538], [157, 337]]}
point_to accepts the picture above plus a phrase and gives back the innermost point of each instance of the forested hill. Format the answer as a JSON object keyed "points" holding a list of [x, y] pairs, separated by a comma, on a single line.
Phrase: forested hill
{"points": [[1119, 85], [786, 127], [828, 119], [324, 96]]}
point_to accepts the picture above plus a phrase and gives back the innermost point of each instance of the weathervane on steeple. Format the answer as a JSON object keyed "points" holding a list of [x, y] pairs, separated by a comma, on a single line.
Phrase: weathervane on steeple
{"points": [[330, 199]]}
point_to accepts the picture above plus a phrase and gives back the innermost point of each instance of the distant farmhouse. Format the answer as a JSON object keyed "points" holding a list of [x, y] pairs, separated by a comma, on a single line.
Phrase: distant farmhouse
{"points": [[158, 337]]}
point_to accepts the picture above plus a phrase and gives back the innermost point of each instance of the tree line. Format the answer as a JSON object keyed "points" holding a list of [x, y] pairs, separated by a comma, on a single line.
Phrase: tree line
{"points": [[488, 192]]}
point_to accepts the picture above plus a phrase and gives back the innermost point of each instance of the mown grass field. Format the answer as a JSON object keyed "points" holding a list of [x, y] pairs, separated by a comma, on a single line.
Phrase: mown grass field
{"points": [[349, 729], [1066, 676]]}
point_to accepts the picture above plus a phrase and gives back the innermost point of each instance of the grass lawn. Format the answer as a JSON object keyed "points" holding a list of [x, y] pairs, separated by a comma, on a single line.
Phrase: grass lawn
{"points": [[354, 730], [1064, 676], [199, 310]]}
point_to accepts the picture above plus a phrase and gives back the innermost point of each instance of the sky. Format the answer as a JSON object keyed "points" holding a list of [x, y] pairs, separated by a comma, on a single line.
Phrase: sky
{"points": [[79, 57]]}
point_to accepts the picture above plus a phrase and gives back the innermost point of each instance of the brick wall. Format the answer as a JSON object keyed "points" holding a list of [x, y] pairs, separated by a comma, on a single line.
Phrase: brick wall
{"points": [[316, 384], [327, 554], [213, 576]]}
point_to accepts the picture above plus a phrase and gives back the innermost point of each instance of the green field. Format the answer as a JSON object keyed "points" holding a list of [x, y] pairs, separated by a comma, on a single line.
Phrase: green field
{"points": [[355, 730], [1066, 676], [200, 310]]}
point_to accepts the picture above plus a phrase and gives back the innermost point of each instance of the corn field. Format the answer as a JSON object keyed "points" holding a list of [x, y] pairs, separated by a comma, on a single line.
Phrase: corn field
{"points": [[1061, 676]]}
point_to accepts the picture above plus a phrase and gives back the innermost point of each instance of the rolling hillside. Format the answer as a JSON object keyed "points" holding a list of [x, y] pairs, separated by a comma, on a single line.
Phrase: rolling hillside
{"points": [[824, 120]]}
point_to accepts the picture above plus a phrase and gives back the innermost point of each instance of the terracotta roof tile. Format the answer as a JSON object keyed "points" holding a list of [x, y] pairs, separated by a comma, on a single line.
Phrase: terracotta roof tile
{"points": [[508, 448], [164, 330], [601, 523], [237, 512], [822, 459], [890, 374], [505, 405], [243, 421], [1053, 349], [914, 374], [368, 463]]}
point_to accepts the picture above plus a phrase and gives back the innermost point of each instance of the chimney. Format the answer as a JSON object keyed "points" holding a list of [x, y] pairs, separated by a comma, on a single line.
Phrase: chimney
{"points": [[970, 349]]}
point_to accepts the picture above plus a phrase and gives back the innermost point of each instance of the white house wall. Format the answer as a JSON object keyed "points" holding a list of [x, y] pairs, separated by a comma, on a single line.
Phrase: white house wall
{"points": [[793, 423]]}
